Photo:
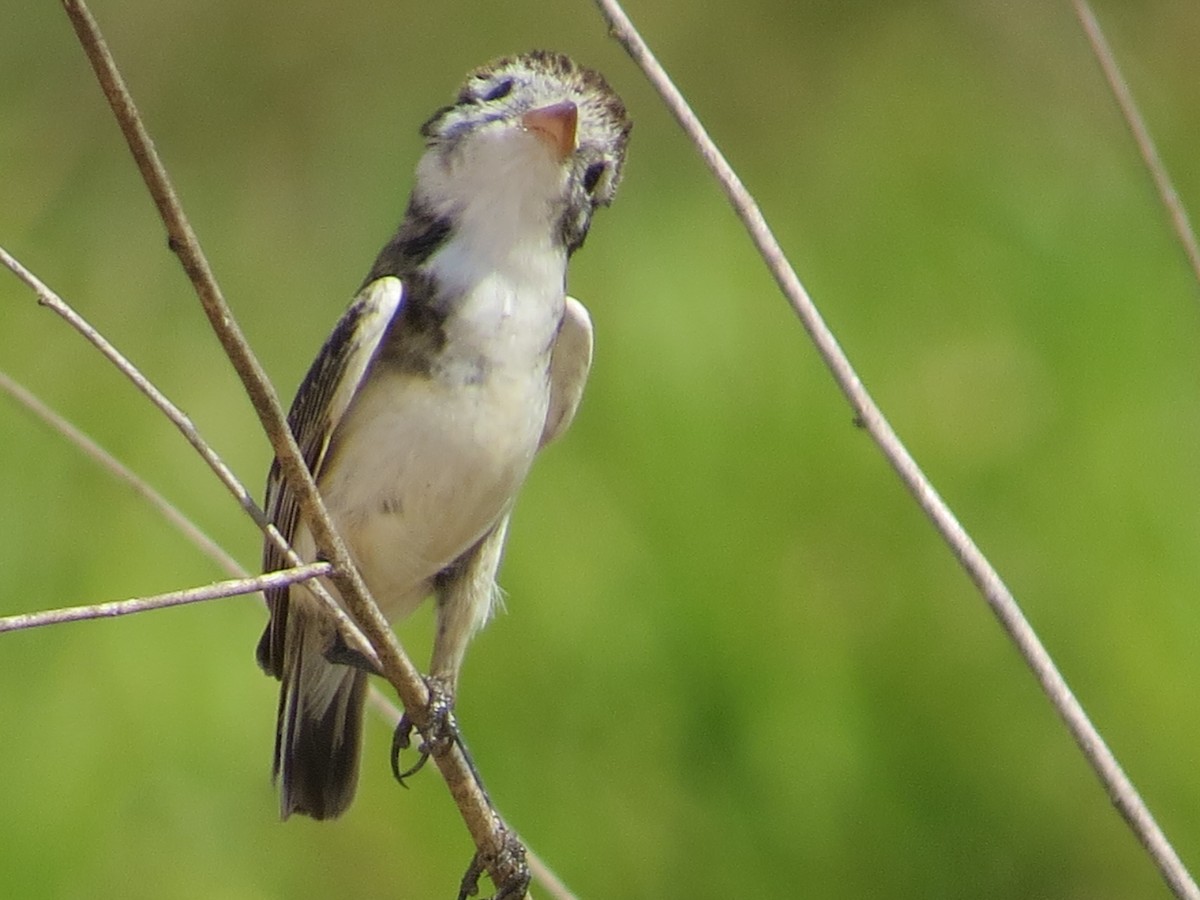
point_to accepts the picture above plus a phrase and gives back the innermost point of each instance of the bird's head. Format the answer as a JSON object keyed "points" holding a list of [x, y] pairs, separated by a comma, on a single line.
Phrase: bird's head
{"points": [[533, 138]]}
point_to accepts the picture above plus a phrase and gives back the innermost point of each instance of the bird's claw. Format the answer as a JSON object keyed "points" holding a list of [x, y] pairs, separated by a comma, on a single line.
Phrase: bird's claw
{"points": [[512, 860], [439, 735]]}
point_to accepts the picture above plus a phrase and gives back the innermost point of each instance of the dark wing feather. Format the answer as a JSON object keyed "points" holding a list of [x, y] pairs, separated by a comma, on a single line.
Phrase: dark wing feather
{"points": [[323, 398]]}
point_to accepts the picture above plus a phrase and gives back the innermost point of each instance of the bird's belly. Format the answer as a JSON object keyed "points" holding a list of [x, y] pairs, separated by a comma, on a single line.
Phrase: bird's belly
{"points": [[421, 470]]}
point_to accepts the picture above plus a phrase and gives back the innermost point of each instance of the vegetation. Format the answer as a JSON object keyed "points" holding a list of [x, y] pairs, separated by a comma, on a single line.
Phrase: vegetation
{"points": [[737, 661]]}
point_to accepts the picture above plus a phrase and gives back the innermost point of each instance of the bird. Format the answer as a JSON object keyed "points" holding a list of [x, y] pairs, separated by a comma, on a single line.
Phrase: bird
{"points": [[460, 358]]}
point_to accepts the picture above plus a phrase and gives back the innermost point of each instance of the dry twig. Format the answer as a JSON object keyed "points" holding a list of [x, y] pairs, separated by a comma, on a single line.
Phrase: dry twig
{"points": [[122, 473], [232, 588], [1167, 194], [496, 845], [997, 595], [384, 706], [50, 299]]}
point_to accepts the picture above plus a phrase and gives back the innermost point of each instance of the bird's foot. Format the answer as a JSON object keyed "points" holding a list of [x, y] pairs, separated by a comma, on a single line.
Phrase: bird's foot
{"points": [[440, 733], [511, 860]]}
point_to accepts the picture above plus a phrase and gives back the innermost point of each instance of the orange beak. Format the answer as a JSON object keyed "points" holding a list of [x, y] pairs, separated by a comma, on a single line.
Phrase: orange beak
{"points": [[555, 125]]}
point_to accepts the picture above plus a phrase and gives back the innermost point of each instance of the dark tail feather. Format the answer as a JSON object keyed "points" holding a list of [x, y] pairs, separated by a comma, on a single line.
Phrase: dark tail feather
{"points": [[319, 732]]}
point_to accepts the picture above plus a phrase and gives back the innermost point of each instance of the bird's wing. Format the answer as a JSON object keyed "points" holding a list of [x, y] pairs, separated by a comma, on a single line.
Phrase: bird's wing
{"points": [[570, 361], [322, 400]]}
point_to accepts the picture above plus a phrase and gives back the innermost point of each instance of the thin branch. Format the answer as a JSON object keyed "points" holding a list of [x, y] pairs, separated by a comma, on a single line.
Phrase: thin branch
{"points": [[1141, 135], [213, 591], [487, 830], [547, 878], [122, 473], [384, 705], [998, 597], [183, 242], [49, 298], [541, 873]]}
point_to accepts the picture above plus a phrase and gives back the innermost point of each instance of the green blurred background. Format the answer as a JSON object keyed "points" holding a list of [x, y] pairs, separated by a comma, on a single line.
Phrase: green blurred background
{"points": [[737, 662]]}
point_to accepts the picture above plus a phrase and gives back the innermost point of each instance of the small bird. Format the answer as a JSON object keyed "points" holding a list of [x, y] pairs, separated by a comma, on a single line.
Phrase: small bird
{"points": [[459, 359]]}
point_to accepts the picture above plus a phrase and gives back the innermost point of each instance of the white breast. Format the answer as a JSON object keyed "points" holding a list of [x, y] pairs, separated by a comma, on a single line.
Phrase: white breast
{"points": [[423, 466]]}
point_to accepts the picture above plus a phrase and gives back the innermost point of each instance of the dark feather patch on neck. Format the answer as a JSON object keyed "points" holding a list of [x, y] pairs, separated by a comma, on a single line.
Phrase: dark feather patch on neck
{"points": [[573, 228], [421, 234], [417, 334]]}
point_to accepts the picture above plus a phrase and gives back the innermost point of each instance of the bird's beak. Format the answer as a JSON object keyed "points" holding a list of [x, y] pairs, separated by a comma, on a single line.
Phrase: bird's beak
{"points": [[555, 126]]}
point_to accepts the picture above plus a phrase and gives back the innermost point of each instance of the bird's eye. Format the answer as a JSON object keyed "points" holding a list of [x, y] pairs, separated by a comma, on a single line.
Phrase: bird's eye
{"points": [[498, 90], [591, 177]]}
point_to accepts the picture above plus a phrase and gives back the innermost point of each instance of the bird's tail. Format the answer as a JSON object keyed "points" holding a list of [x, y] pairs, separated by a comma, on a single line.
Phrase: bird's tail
{"points": [[319, 730]]}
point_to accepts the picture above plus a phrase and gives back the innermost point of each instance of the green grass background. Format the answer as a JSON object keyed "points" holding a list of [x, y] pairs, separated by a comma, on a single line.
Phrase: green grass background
{"points": [[737, 662]]}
